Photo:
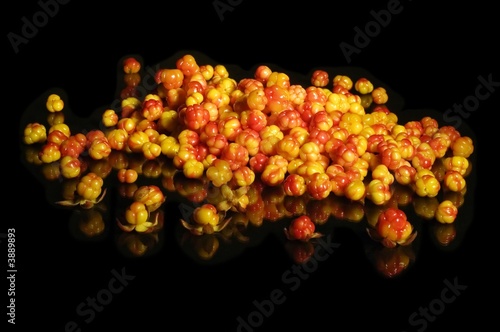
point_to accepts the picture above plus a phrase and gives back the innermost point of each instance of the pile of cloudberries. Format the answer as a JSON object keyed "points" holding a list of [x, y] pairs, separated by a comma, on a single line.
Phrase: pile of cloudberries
{"points": [[335, 136]]}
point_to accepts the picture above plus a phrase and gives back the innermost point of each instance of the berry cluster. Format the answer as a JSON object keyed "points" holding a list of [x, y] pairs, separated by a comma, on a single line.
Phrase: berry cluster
{"points": [[334, 137]]}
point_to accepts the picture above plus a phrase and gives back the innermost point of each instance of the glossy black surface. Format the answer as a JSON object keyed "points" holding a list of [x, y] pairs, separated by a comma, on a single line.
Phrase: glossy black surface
{"points": [[435, 59]]}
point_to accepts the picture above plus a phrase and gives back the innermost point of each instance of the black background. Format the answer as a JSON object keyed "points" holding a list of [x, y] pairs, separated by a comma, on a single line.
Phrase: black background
{"points": [[430, 55]]}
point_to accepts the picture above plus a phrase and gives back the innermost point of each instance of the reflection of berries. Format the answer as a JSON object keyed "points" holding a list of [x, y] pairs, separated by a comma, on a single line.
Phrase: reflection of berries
{"points": [[91, 222], [300, 251], [444, 233], [392, 262]]}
